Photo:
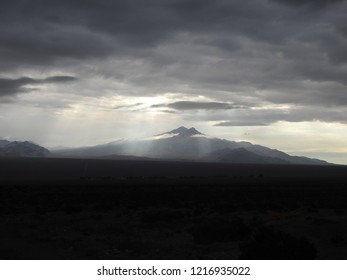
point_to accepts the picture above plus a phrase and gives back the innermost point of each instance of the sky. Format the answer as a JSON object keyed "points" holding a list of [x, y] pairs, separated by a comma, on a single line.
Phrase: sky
{"points": [[85, 72]]}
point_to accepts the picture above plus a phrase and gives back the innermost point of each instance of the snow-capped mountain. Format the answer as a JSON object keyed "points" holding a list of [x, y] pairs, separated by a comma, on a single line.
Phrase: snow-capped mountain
{"points": [[21, 149], [182, 132], [189, 144]]}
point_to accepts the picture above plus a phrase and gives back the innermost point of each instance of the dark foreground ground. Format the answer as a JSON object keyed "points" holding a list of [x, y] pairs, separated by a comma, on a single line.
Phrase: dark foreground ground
{"points": [[104, 209]]}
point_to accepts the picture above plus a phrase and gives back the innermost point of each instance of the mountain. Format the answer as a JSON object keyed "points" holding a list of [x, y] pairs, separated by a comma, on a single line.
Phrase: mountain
{"points": [[241, 155], [21, 149], [189, 144], [3, 143], [183, 132]]}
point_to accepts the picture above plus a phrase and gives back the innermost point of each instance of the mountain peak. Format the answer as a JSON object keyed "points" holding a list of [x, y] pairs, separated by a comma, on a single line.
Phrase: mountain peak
{"points": [[183, 131]]}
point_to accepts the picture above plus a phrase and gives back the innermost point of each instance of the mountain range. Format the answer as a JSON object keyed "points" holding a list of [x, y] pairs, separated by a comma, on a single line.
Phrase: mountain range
{"points": [[187, 144], [21, 149]]}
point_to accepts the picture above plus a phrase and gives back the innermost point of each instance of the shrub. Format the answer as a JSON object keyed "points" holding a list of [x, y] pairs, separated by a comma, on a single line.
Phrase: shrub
{"points": [[267, 244], [162, 216], [220, 230]]}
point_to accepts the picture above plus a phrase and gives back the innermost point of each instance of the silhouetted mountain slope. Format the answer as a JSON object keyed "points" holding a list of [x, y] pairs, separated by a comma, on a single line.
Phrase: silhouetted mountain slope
{"points": [[241, 155], [3, 143], [189, 144], [183, 132], [21, 149]]}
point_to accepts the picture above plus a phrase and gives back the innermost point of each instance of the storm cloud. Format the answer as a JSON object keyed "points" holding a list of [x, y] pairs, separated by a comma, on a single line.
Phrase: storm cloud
{"points": [[192, 105], [10, 87]]}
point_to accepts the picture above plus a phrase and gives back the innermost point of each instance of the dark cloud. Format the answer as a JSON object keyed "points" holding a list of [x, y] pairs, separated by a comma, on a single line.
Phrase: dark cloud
{"points": [[127, 106], [58, 79], [192, 105], [14, 86], [169, 111], [312, 3], [10, 87], [278, 51], [262, 117], [40, 32]]}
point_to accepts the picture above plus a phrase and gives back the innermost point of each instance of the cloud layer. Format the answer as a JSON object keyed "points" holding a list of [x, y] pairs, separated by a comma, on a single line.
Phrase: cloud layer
{"points": [[9, 87]]}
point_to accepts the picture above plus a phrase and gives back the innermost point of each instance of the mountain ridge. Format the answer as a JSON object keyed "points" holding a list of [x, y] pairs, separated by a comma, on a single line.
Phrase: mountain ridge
{"points": [[22, 149], [242, 155], [183, 131], [189, 144]]}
